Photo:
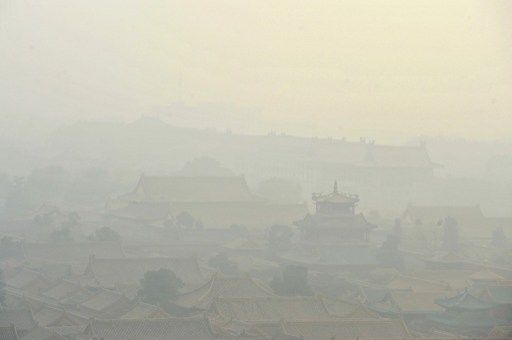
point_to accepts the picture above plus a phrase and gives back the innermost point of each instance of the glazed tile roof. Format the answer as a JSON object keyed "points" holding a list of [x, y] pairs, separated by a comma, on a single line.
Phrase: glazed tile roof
{"points": [[223, 286], [196, 328]]}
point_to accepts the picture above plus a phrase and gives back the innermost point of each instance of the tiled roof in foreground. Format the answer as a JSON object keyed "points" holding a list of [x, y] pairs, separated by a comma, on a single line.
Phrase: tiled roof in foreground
{"points": [[196, 328]]}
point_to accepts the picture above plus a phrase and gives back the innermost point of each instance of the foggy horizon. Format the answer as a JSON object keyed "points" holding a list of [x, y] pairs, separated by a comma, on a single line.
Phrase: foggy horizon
{"points": [[343, 69]]}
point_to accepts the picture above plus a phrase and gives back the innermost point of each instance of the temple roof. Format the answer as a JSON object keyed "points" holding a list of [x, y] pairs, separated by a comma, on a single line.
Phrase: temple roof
{"points": [[224, 286], [347, 309], [469, 320], [404, 282], [271, 308], [142, 310], [336, 197], [408, 302]]}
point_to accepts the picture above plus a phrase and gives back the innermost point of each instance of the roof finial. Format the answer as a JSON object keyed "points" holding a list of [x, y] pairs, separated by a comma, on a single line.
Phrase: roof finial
{"points": [[335, 189]]}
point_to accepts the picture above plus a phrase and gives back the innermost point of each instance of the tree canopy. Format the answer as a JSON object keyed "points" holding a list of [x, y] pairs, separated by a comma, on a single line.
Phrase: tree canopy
{"points": [[160, 287]]}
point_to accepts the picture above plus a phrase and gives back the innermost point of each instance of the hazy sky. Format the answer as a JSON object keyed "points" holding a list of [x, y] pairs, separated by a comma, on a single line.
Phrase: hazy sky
{"points": [[376, 68]]}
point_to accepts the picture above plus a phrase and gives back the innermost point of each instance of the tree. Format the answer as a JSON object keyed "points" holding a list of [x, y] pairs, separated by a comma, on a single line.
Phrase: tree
{"points": [[280, 237], [224, 264], [294, 281], [389, 254], [450, 234], [160, 287], [185, 219], [106, 234]]}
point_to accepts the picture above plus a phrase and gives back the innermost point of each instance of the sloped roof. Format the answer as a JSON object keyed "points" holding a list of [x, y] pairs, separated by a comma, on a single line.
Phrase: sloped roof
{"points": [[49, 316], [158, 329], [473, 324], [500, 294], [455, 278], [465, 301], [22, 319], [68, 331], [347, 309], [271, 308], [348, 329], [142, 310], [8, 332], [103, 301], [192, 189], [336, 197], [77, 297], [22, 278], [409, 302], [62, 289], [42, 333], [223, 286], [403, 282], [114, 272]]}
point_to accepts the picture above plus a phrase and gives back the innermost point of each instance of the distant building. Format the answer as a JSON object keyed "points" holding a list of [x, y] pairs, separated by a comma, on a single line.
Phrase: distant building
{"points": [[212, 201], [470, 219], [335, 220]]}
